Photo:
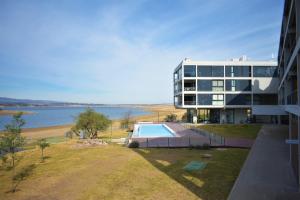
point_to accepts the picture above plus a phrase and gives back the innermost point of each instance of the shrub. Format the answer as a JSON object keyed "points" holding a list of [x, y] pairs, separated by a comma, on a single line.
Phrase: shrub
{"points": [[134, 144], [184, 117], [69, 134], [171, 118]]}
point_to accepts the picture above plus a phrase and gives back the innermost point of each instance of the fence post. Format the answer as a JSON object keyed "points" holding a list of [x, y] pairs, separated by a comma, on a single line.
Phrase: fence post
{"points": [[168, 142], [147, 142]]}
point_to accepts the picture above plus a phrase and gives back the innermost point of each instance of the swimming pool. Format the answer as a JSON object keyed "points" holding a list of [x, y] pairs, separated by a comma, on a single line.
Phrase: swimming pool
{"points": [[152, 130]]}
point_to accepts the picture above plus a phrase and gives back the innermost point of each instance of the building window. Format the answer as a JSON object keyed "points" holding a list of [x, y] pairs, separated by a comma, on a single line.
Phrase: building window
{"points": [[217, 71], [204, 85], [190, 71], [238, 85], [265, 71], [238, 99], [204, 99], [217, 85], [238, 71], [178, 74], [210, 85], [190, 99], [204, 71], [211, 99], [210, 71], [265, 99], [217, 99]]}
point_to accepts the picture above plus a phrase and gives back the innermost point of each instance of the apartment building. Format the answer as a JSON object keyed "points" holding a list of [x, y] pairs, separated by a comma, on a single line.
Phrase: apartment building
{"points": [[227, 91], [288, 70]]}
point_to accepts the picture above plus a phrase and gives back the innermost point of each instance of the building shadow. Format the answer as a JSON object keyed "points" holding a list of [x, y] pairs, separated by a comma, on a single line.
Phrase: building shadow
{"points": [[171, 162]]}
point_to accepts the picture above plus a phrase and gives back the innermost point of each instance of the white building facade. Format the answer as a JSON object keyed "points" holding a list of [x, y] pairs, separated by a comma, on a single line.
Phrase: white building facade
{"points": [[227, 91]]}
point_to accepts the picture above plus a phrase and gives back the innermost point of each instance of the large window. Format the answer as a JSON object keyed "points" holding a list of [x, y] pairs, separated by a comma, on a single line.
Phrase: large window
{"points": [[211, 99], [189, 99], [238, 71], [178, 74], [264, 71], [238, 99], [217, 99], [265, 99], [238, 85], [210, 85], [217, 85], [210, 71], [204, 99], [190, 71], [204, 85]]}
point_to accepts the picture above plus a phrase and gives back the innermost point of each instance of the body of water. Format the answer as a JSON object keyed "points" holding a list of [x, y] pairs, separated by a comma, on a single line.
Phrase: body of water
{"points": [[53, 116]]}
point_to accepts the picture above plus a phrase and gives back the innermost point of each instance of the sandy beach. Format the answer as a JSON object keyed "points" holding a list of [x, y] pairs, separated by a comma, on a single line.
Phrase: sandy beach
{"points": [[12, 112], [158, 113]]}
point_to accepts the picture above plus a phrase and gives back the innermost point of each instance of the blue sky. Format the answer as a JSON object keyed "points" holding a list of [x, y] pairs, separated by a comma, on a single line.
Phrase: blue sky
{"points": [[124, 51]]}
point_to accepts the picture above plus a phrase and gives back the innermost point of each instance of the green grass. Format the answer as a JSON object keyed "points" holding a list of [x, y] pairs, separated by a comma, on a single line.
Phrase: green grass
{"points": [[246, 131], [32, 143], [116, 172]]}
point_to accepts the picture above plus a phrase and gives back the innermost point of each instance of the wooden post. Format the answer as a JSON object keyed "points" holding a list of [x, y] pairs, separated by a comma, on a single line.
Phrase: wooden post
{"points": [[168, 142]]}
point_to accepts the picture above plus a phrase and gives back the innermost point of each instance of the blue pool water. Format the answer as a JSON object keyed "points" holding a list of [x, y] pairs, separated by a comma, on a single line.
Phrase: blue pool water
{"points": [[152, 130]]}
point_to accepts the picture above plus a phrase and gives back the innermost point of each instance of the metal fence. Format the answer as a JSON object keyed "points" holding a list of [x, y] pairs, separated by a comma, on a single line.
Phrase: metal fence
{"points": [[171, 141], [214, 138]]}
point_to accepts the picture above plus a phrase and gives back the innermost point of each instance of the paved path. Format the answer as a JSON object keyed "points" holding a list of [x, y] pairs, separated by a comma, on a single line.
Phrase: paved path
{"points": [[267, 173], [239, 142]]}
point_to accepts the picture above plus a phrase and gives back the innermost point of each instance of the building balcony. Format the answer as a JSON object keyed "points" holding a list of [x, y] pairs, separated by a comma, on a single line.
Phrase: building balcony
{"points": [[189, 88], [189, 103]]}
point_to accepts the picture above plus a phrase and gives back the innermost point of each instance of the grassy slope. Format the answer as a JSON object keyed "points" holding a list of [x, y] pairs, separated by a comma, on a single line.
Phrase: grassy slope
{"points": [[114, 172], [247, 131]]}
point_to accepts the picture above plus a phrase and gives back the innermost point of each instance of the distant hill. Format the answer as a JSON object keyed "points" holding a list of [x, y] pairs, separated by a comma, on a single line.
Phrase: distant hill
{"points": [[10, 102]]}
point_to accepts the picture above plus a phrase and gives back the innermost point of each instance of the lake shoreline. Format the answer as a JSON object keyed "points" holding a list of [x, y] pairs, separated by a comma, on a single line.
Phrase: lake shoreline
{"points": [[60, 130], [13, 112]]}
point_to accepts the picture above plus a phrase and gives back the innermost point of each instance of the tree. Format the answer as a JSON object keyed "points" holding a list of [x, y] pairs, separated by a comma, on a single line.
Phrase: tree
{"points": [[171, 118], [126, 121], [11, 140], [90, 122], [42, 143]]}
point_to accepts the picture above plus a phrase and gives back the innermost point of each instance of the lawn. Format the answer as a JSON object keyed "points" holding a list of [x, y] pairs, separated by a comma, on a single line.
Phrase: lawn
{"points": [[116, 172], [246, 131]]}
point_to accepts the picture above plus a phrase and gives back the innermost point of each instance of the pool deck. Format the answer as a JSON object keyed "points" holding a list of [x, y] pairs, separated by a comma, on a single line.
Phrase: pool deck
{"points": [[186, 137]]}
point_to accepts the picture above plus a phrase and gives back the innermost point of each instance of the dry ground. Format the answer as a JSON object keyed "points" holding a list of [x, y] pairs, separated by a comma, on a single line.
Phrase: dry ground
{"points": [[116, 172]]}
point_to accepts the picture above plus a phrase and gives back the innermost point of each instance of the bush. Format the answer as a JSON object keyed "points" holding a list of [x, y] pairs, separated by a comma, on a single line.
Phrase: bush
{"points": [[134, 144], [69, 134], [171, 118], [184, 117]]}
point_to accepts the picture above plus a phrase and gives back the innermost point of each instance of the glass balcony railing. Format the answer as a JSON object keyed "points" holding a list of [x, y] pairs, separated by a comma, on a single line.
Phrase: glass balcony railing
{"points": [[190, 89], [292, 99], [189, 102]]}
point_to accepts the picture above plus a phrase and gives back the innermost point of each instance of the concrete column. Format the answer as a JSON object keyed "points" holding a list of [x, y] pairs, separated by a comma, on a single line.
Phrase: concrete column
{"points": [[290, 136], [297, 8]]}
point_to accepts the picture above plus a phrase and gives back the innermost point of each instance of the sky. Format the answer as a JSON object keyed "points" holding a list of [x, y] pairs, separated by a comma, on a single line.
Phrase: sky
{"points": [[124, 51]]}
